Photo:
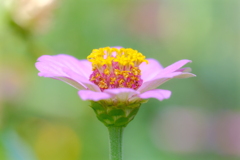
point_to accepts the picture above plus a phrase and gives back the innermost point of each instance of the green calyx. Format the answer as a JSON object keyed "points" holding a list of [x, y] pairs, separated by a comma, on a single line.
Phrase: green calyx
{"points": [[115, 115]]}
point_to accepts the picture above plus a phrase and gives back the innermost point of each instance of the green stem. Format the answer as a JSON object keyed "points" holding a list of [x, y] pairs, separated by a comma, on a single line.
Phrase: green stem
{"points": [[115, 136]]}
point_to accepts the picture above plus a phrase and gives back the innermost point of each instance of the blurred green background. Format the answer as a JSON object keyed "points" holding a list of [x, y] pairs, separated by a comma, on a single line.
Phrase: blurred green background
{"points": [[44, 119]]}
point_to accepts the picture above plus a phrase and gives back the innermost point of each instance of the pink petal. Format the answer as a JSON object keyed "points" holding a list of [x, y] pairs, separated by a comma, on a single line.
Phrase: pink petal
{"points": [[172, 71], [71, 82], [155, 82], [86, 68], [91, 95], [122, 94], [150, 70], [174, 67], [83, 80], [57, 73], [118, 47], [159, 94], [185, 75], [187, 69], [55, 64], [59, 66], [47, 70]]}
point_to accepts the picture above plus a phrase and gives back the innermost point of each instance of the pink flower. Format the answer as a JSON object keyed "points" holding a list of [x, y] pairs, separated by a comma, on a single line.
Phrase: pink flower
{"points": [[113, 75], [116, 80]]}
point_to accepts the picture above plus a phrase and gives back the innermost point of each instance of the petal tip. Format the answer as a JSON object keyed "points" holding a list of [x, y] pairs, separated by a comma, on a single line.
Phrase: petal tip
{"points": [[187, 60]]}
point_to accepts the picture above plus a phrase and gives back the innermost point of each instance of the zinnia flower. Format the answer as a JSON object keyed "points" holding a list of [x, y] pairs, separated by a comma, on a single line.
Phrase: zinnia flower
{"points": [[116, 80]]}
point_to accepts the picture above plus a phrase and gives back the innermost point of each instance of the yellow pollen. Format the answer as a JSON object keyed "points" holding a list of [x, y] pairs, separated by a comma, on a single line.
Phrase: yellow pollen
{"points": [[121, 83], [103, 84], [129, 84], [117, 72], [135, 71], [125, 74], [112, 80], [94, 68], [106, 71]]}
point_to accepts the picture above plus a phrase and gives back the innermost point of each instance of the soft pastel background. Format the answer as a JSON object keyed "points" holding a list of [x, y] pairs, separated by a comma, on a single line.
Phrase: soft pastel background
{"points": [[44, 119]]}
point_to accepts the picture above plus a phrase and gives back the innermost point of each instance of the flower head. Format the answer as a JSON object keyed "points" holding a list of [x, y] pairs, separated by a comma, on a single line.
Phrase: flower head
{"points": [[116, 68], [117, 80]]}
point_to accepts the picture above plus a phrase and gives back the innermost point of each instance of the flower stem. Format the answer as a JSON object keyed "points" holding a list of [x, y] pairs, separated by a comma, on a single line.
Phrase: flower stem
{"points": [[115, 136]]}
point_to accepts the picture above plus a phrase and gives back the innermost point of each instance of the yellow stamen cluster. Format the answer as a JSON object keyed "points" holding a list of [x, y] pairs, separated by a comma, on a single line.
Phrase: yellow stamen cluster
{"points": [[116, 67], [124, 56]]}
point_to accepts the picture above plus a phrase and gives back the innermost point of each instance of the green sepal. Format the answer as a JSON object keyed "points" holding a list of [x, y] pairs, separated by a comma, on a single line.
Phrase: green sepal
{"points": [[115, 115]]}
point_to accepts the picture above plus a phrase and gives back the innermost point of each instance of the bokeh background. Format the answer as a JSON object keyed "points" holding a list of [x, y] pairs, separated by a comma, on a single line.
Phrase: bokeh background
{"points": [[44, 119]]}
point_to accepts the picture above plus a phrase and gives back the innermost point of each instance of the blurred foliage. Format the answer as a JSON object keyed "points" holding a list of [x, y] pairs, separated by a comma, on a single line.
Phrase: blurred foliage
{"points": [[45, 119]]}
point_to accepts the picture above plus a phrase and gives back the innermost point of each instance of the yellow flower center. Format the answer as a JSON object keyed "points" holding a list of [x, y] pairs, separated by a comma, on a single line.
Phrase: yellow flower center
{"points": [[116, 67]]}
